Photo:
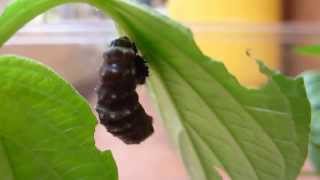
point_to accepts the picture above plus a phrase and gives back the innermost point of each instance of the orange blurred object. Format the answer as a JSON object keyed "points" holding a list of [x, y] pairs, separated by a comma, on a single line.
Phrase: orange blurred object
{"points": [[227, 29]]}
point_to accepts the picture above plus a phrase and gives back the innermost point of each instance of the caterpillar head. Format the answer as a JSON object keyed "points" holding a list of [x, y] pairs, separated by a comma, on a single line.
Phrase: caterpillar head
{"points": [[124, 42]]}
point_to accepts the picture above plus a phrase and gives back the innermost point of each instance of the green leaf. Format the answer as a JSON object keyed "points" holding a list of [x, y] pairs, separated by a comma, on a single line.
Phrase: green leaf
{"points": [[46, 127], [313, 89], [214, 121], [309, 50]]}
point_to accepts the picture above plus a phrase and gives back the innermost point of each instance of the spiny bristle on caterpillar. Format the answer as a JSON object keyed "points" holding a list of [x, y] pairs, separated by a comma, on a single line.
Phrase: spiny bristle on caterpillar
{"points": [[118, 105]]}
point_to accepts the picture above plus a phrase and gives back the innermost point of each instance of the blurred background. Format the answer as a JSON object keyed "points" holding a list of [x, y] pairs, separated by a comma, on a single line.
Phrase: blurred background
{"points": [[71, 40]]}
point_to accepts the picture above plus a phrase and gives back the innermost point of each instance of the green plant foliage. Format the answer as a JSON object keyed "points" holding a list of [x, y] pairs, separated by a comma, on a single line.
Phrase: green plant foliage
{"points": [[312, 80], [309, 50], [216, 123], [46, 127]]}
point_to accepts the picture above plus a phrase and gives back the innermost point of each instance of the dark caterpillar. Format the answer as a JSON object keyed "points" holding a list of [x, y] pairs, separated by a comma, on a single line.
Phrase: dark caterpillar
{"points": [[118, 106]]}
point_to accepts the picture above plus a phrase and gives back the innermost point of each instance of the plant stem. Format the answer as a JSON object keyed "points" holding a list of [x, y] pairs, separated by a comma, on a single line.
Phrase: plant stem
{"points": [[5, 167], [17, 14]]}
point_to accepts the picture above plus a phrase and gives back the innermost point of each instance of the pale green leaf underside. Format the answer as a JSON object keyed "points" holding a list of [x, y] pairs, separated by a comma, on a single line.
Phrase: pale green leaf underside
{"points": [[215, 122], [313, 88], [46, 127]]}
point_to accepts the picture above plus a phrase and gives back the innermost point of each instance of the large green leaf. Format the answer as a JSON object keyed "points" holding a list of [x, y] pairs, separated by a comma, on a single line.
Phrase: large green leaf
{"points": [[313, 88], [216, 123], [46, 127]]}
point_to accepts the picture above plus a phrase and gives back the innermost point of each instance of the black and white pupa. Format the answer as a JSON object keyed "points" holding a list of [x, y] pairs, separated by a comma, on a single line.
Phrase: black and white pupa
{"points": [[118, 106]]}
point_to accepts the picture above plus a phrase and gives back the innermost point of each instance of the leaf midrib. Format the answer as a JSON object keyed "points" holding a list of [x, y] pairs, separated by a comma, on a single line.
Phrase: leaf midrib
{"points": [[183, 126]]}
